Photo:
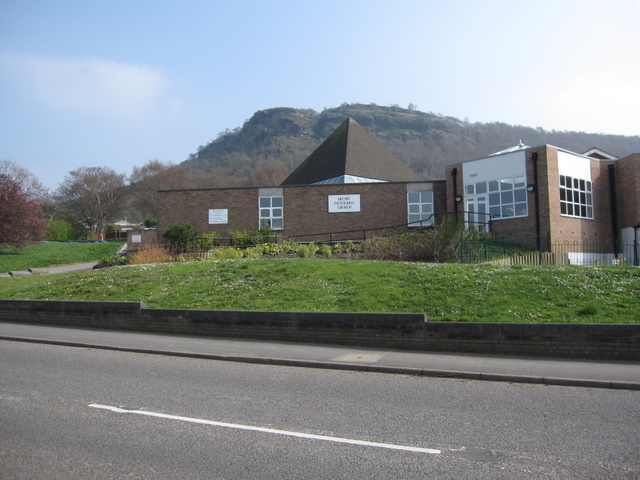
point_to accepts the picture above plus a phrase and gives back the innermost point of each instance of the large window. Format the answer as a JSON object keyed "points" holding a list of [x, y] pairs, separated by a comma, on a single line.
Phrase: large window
{"points": [[420, 209], [506, 197], [271, 213], [576, 197]]}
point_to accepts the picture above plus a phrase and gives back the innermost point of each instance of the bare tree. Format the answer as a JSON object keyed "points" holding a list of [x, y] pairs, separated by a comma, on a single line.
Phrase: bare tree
{"points": [[216, 178], [91, 196], [146, 181], [28, 182], [273, 172]]}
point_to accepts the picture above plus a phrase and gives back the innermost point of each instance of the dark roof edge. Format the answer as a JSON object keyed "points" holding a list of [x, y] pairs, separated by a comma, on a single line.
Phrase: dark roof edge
{"points": [[298, 185]]}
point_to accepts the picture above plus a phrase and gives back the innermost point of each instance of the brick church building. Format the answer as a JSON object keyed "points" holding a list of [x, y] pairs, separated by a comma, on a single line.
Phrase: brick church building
{"points": [[351, 187]]}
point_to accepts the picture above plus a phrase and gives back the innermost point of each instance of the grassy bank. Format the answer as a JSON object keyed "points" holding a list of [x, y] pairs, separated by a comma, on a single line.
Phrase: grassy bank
{"points": [[39, 255], [446, 292]]}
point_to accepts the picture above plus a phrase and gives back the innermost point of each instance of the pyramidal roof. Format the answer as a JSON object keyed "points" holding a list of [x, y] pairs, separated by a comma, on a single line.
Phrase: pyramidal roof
{"points": [[351, 155]]}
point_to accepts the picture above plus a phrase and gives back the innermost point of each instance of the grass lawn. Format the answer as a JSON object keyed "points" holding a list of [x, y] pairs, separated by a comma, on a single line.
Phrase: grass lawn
{"points": [[39, 255], [444, 292]]}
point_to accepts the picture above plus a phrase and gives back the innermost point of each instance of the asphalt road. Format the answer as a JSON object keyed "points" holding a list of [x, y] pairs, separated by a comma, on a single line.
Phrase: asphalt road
{"points": [[191, 418]]}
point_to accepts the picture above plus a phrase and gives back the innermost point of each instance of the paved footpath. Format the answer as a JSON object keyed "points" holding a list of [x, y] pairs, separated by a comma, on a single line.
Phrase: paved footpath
{"points": [[74, 267], [549, 371]]}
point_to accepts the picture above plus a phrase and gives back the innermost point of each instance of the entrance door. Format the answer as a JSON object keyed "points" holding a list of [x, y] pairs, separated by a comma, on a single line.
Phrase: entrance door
{"points": [[476, 214]]}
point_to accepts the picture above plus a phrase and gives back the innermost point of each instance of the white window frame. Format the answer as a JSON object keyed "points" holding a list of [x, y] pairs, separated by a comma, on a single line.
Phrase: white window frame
{"points": [[420, 211], [271, 212], [506, 197], [576, 195]]}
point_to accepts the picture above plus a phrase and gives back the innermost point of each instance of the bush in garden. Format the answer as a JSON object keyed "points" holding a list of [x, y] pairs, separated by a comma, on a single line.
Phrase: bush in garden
{"points": [[208, 240], [337, 248], [225, 253], [151, 253], [270, 249], [112, 261], [307, 250], [351, 246], [181, 237], [241, 238], [252, 252], [60, 230], [263, 235], [288, 248], [254, 237], [438, 244]]}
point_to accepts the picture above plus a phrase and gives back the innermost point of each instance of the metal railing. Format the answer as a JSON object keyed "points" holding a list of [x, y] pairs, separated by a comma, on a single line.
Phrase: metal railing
{"points": [[486, 249], [357, 235], [523, 251]]}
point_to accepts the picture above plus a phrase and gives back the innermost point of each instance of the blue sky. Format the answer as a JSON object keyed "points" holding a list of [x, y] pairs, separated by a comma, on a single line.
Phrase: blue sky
{"points": [[87, 83]]}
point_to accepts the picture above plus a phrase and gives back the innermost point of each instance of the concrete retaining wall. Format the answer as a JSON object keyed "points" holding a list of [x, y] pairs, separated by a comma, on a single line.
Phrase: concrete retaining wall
{"points": [[401, 331]]}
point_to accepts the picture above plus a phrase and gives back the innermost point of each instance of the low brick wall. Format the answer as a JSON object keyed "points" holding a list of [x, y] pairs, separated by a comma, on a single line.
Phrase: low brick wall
{"points": [[138, 239], [362, 329], [597, 341], [401, 331]]}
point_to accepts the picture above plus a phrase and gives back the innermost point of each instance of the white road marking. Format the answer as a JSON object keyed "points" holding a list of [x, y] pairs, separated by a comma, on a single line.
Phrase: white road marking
{"points": [[309, 436]]}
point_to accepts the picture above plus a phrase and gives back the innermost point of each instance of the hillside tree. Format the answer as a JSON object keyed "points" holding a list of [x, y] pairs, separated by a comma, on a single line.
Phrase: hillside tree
{"points": [[28, 182], [216, 178], [91, 197], [22, 219], [155, 175], [272, 172]]}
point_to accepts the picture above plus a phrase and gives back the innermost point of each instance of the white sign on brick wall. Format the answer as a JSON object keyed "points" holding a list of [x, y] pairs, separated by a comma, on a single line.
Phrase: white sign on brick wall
{"points": [[218, 216], [344, 203]]}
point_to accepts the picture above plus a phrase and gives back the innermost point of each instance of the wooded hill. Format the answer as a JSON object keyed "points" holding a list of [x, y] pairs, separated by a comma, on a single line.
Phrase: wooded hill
{"points": [[273, 142]]}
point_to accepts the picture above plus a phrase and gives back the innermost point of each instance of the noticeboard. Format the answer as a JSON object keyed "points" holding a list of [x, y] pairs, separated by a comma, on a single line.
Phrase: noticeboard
{"points": [[218, 216]]}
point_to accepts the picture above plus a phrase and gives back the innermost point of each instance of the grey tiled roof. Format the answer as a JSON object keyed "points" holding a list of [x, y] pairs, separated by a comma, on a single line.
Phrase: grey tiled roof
{"points": [[351, 150]]}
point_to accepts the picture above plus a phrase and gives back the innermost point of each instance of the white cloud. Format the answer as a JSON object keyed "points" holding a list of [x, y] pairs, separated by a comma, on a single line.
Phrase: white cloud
{"points": [[88, 85]]}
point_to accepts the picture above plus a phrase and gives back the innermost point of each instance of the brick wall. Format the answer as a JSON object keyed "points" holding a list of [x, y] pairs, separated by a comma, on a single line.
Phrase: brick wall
{"points": [[305, 209], [567, 229], [601, 341], [440, 199], [145, 237], [362, 329], [192, 206], [402, 331], [628, 186]]}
